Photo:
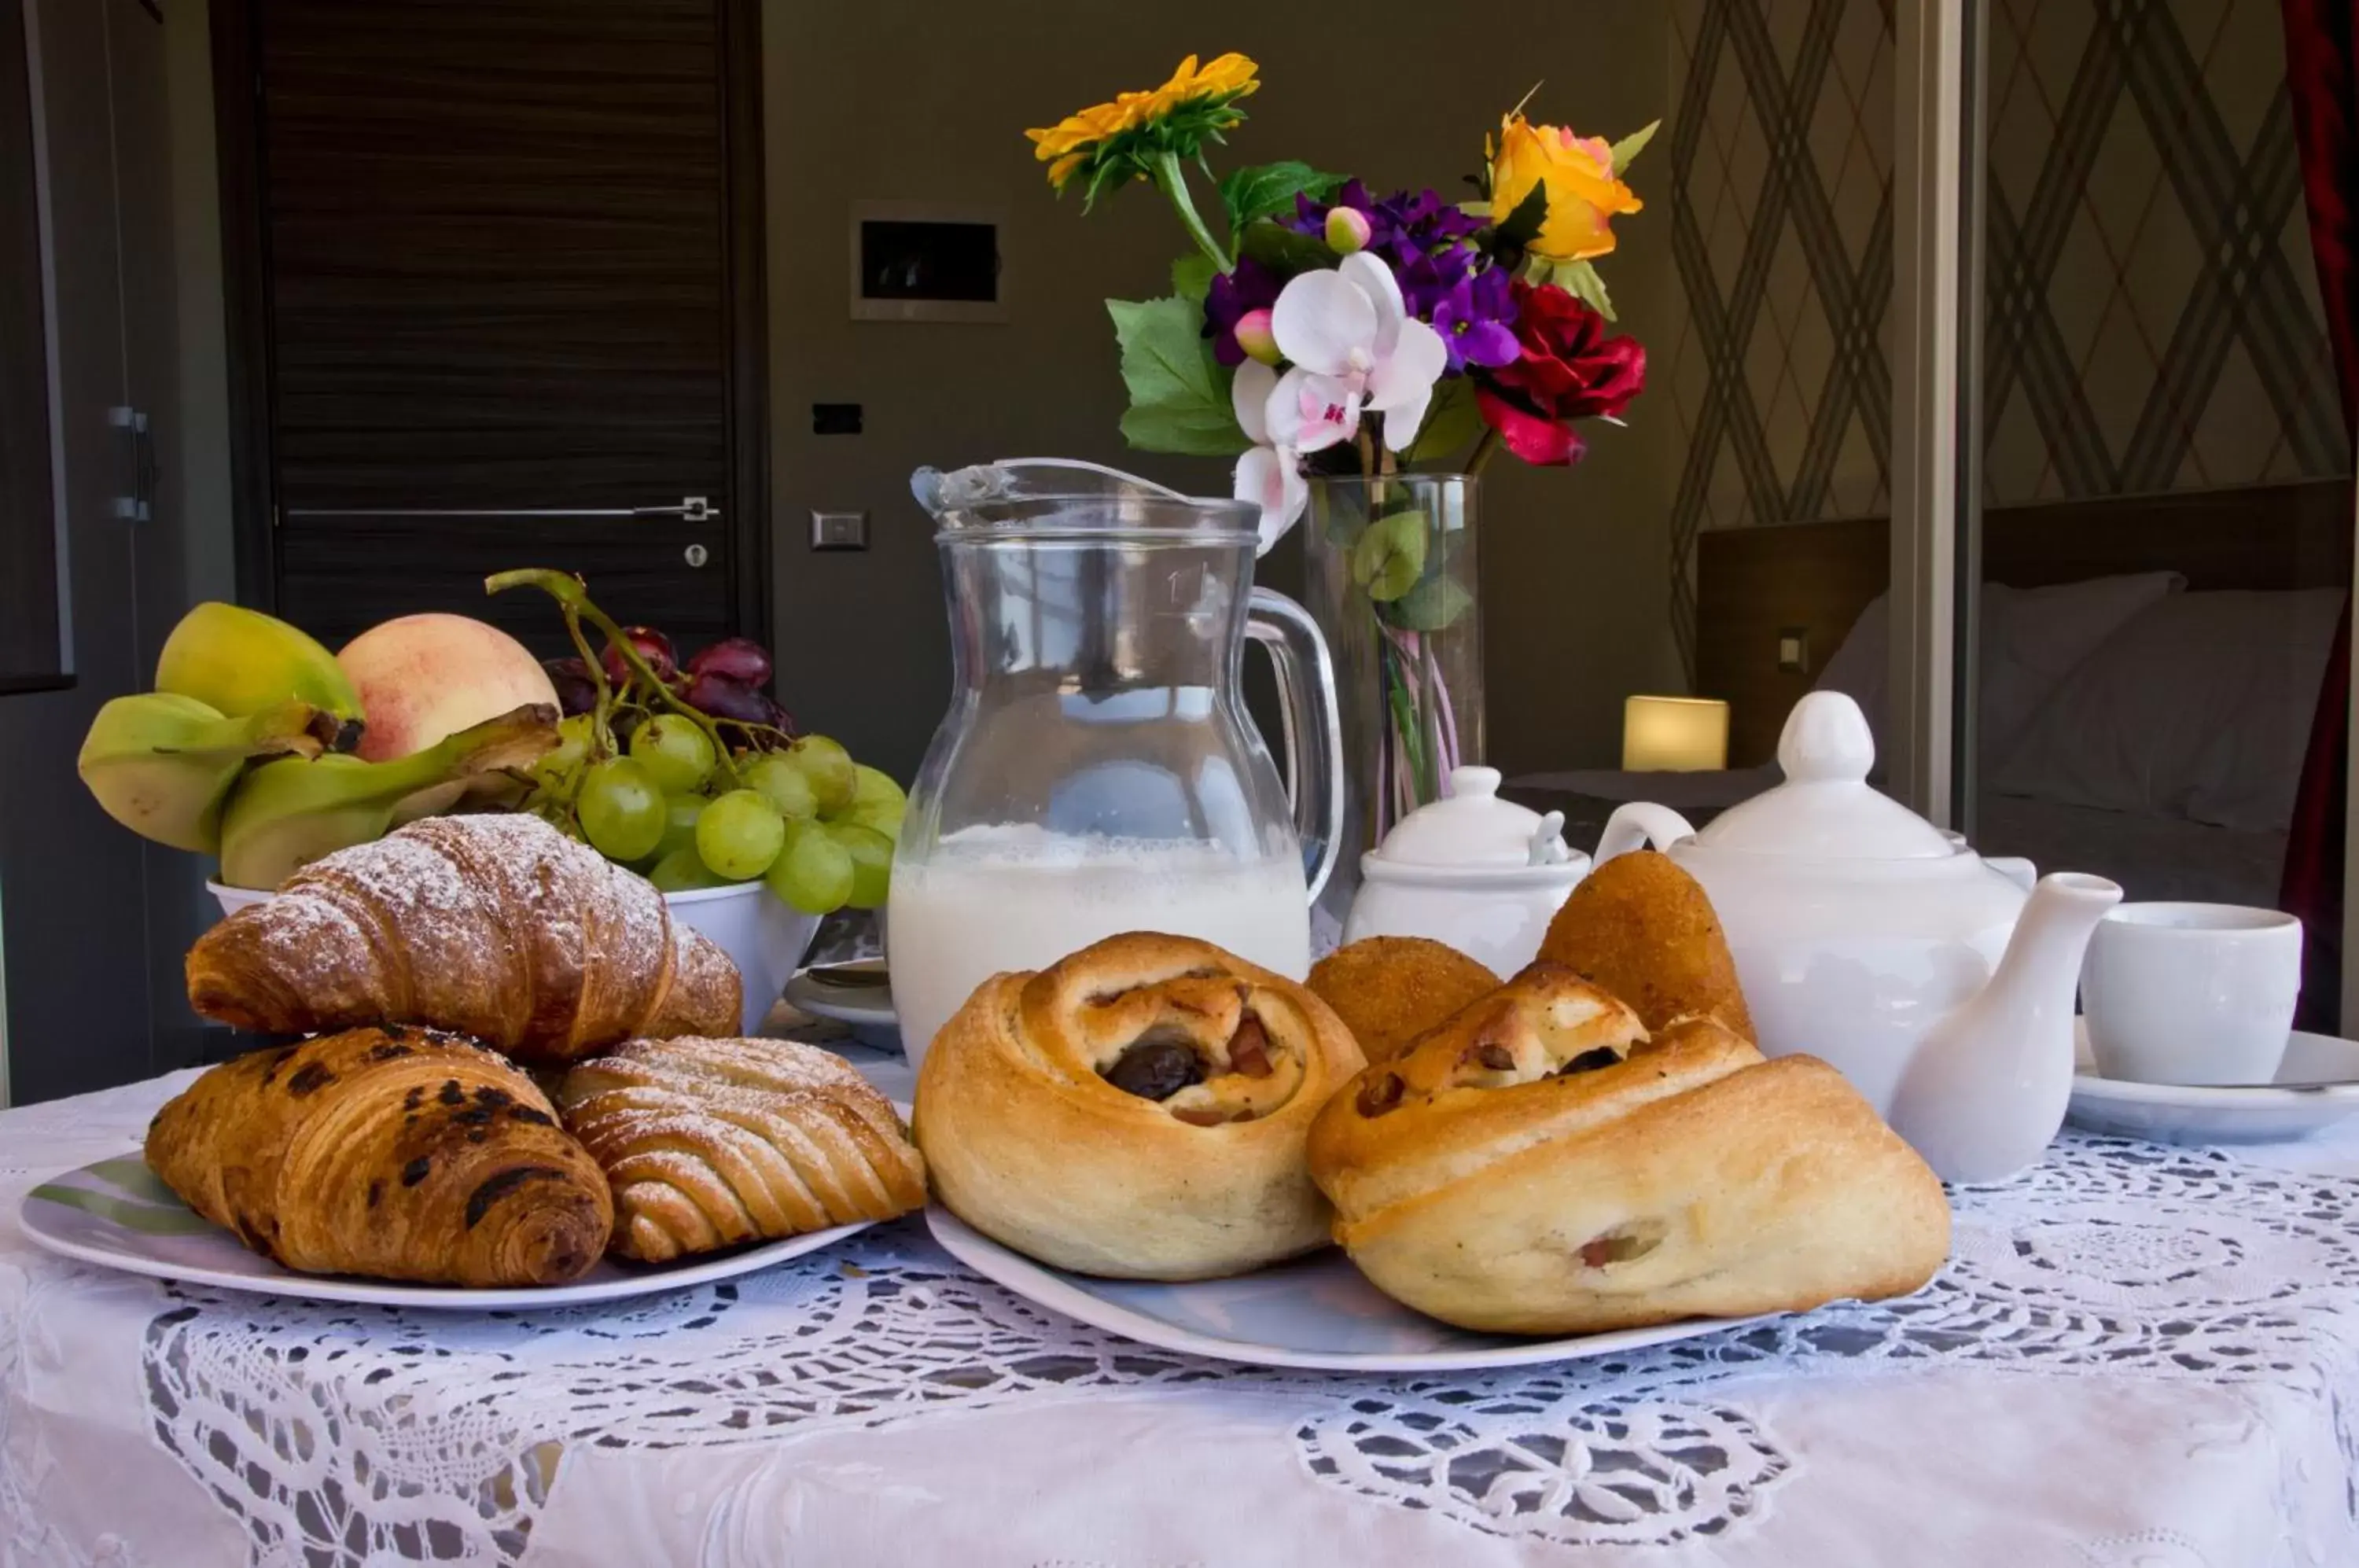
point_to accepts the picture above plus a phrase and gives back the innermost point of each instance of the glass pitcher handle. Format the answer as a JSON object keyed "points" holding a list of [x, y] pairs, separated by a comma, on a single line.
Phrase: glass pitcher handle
{"points": [[1313, 729]]}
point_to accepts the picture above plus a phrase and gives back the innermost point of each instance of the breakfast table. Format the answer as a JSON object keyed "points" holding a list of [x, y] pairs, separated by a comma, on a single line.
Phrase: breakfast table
{"points": [[2137, 1354]]}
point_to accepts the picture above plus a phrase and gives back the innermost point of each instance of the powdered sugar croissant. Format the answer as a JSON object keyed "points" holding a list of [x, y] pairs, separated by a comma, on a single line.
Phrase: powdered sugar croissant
{"points": [[713, 1142], [494, 926]]}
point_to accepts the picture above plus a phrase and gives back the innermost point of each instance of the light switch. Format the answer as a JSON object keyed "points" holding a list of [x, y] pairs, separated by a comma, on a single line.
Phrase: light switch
{"points": [[839, 530], [1794, 649]]}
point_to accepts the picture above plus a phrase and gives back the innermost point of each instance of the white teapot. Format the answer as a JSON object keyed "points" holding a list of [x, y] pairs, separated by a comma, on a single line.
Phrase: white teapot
{"points": [[1941, 984], [1484, 874]]}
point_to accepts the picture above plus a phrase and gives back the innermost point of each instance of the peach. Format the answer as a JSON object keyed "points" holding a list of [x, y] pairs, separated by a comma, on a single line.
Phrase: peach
{"points": [[424, 677]]}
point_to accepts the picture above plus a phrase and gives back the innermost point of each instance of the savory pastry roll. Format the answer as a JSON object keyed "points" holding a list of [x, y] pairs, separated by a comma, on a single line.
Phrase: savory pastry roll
{"points": [[1642, 930], [712, 1143], [1390, 989], [1136, 1110], [398, 1153], [1537, 1165]]}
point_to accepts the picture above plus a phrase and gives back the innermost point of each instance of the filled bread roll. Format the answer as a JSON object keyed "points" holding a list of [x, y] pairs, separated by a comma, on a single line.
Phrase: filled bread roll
{"points": [[1390, 989], [1641, 929], [1538, 1166], [1138, 1110]]}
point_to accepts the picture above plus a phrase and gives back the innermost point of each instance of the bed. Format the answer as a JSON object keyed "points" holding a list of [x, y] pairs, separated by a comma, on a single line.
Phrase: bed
{"points": [[2149, 671]]}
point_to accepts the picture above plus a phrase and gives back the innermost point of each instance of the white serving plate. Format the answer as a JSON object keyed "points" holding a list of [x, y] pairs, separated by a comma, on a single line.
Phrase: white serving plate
{"points": [[1318, 1313], [117, 1214], [868, 1009], [2176, 1113]]}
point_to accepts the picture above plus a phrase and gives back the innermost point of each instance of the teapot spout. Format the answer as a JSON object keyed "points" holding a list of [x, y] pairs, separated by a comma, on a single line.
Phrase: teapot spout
{"points": [[1988, 1085]]}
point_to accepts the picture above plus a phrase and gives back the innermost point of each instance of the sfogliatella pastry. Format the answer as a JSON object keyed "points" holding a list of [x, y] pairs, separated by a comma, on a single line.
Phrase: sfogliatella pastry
{"points": [[1390, 989], [1537, 1165], [1642, 930], [396, 1153], [497, 927], [712, 1143], [1136, 1110]]}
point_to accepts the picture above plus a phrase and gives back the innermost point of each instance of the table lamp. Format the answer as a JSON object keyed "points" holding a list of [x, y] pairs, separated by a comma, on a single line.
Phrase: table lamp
{"points": [[1674, 735]]}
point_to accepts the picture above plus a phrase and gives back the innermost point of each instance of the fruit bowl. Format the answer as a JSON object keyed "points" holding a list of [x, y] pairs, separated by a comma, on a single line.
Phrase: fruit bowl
{"points": [[763, 937]]}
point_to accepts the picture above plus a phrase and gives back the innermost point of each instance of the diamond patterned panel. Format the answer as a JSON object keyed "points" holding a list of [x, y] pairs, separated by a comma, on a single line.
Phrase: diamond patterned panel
{"points": [[2152, 316]]}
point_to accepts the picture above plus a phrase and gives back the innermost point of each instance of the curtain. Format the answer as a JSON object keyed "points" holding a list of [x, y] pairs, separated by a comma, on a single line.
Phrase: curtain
{"points": [[2321, 75]]}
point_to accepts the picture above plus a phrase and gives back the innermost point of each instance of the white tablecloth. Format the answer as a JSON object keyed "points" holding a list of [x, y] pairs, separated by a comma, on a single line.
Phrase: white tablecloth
{"points": [[2137, 1356]]}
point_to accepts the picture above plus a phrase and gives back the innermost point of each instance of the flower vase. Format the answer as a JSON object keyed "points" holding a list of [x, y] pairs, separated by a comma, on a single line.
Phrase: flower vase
{"points": [[1389, 569]]}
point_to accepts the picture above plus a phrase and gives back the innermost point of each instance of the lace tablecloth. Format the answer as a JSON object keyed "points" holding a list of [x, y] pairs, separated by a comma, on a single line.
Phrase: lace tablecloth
{"points": [[2137, 1356]]}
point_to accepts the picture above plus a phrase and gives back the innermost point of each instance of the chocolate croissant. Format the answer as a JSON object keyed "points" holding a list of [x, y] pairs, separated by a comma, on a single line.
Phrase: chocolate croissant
{"points": [[1539, 1165], [396, 1153], [496, 926], [1136, 1110], [709, 1143]]}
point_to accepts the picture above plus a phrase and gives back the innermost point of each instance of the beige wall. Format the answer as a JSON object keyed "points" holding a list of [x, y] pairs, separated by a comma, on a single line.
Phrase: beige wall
{"points": [[899, 99], [915, 101]]}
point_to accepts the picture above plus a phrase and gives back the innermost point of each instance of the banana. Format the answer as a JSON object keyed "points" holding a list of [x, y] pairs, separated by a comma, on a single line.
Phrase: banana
{"points": [[243, 661], [162, 764], [284, 815]]}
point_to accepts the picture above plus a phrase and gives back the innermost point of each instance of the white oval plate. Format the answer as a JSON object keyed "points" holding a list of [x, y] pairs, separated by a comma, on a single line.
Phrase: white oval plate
{"points": [[2177, 1113], [1318, 1313], [868, 1008], [115, 1213]]}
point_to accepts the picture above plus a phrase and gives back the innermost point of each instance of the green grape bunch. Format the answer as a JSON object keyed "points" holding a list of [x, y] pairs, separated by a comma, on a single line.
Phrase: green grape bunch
{"points": [[694, 776]]}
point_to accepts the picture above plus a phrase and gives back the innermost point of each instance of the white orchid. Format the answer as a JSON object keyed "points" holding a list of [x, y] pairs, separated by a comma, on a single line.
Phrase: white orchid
{"points": [[1269, 475], [1355, 349]]}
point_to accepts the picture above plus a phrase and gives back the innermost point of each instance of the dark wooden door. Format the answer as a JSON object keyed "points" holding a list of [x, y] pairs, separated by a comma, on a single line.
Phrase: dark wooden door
{"points": [[510, 304], [76, 890]]}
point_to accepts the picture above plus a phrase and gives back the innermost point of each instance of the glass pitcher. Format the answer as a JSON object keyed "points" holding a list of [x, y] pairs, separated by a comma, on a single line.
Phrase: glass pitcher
{"points": [[1097, 772]]}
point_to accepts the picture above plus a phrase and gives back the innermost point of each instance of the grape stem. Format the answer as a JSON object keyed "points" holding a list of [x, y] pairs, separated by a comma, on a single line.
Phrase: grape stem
{"points": [[573, 600]]}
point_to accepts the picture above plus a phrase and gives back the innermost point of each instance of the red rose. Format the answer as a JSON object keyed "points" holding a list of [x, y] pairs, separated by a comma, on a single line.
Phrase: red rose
{"points": [[1570, 368]]}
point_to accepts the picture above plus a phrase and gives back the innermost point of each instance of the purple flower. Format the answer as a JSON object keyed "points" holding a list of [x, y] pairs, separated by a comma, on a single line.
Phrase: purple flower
{"points": [[1476, 321], [1424, 239], [1252, 287]]}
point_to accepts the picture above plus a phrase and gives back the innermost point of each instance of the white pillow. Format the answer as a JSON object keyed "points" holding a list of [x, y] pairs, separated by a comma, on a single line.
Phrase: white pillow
{"points": [[2032, 637], [2200, 707]]}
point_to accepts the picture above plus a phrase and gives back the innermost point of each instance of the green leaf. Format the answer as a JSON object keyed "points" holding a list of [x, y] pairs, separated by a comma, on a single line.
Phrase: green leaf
{"points": [[1179, 393], [1191, 276], [1283, 251], [1633, 143], [1430, 606], [1268, 189], [1523, 225], [1451, 424], [1390, 556], [1582, 282]]}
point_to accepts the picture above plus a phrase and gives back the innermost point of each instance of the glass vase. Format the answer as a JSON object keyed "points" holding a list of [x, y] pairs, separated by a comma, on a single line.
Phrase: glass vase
{"points": [[1390, 574]]}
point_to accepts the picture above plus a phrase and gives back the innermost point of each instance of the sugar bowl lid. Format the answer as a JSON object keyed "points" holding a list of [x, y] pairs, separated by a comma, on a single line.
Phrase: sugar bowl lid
{"points": [[1826, 810], [1471, 828]]}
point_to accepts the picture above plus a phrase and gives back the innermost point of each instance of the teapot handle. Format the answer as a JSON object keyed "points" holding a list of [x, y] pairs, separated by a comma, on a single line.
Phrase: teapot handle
{"points": [[1638, 824], [1305, 702]]}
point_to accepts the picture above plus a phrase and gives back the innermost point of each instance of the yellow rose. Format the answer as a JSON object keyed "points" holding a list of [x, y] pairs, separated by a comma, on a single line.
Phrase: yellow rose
{"points": [[1582, 194]]}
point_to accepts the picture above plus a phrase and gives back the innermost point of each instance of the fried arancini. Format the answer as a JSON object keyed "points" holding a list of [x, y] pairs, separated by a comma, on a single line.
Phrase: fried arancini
{"points": [[1642, 929], [1390, 989]]}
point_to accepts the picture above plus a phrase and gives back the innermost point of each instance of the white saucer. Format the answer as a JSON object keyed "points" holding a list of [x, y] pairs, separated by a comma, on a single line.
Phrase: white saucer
{"points": [[1318, 1312], [117, 1214], [867, 1009], [2174, 1113]]}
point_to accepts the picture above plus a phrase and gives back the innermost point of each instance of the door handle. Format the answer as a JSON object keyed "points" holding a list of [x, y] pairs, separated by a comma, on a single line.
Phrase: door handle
{"points": [[140, 504], [687, 508]]}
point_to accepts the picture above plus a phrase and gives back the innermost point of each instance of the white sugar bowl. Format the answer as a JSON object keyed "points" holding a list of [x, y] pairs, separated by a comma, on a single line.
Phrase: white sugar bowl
{"points": [[1484, 874]]}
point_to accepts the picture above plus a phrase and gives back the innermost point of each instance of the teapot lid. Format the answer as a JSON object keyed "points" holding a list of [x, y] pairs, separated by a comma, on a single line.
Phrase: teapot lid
{"points": [[1470, 826], [1826, 810]]}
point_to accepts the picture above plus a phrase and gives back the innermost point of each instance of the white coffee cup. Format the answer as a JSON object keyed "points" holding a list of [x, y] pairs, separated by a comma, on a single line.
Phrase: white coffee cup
{"points": [[2191, 993]]}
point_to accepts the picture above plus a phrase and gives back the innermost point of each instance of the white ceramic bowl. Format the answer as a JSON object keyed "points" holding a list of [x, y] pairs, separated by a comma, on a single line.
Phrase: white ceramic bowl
{"points": [[764, 938]]}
